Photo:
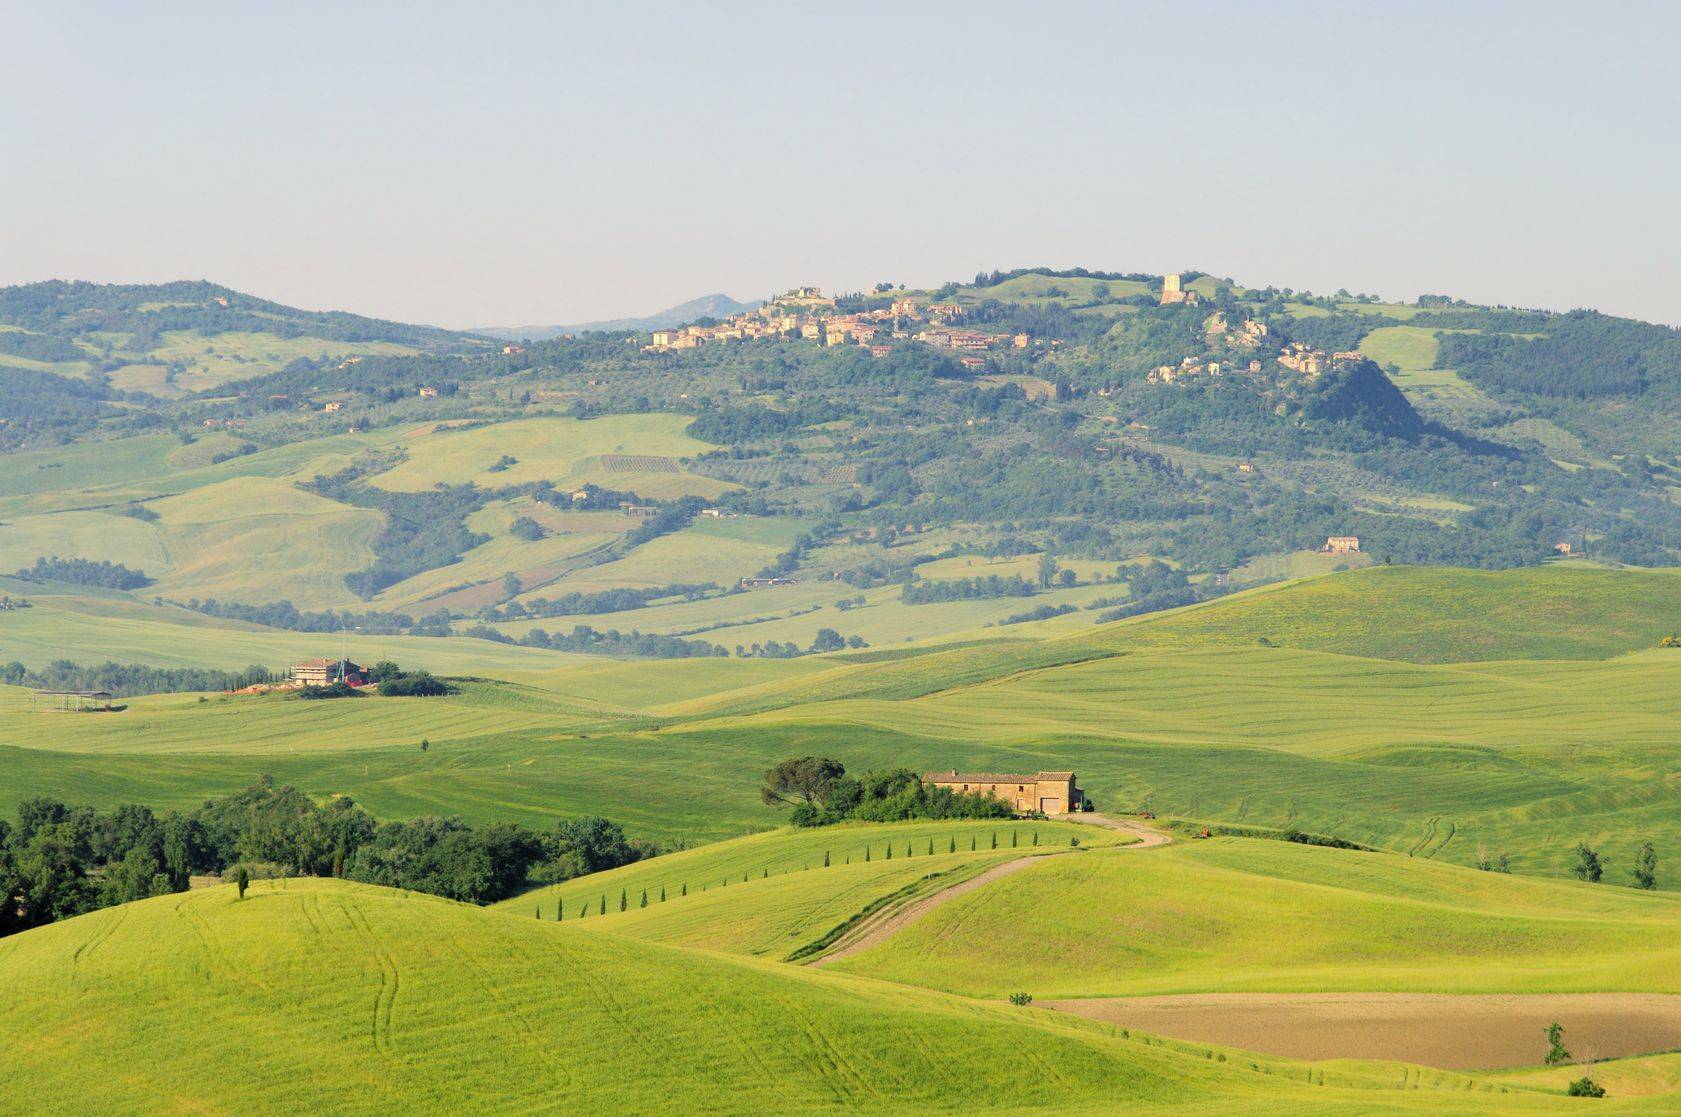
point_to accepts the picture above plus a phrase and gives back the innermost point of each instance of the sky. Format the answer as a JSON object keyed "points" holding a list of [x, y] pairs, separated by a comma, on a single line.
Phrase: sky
{"points": [[511, 164]]}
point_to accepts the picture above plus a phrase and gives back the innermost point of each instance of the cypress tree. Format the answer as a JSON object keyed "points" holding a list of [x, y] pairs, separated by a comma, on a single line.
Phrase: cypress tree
{"points": [[825, 859], [971, 843], [685, 888], [624, 899], [866, 853], [662, 893], [1035, 837], [890, 851], [953, 844], [560, 912], [539, 911], [604, 903], [930, 847], [1012, 839], [766, 875], [644, 902], [995, 839]]}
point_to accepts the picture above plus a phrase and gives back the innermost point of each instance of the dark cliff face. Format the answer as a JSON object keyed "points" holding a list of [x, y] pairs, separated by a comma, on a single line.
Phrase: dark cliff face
{"points": [[1359, 393]]}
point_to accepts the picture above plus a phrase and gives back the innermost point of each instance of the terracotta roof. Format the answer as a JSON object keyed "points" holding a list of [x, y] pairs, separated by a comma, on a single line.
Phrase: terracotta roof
{"points": [[993, 777]]}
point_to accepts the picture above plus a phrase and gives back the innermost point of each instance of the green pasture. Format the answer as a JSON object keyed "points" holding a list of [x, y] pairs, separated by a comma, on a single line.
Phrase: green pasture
{"points": [[236, 355], [770, 893], [385, 1000], [1436, 614], [547, 449], [1379, 716], [1259, 916], [1046, 290]]}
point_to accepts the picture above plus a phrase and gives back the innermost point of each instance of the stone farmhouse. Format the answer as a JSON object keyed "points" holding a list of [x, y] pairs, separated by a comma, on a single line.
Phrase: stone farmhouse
{"points": [[325, 672], [1050, 792]]}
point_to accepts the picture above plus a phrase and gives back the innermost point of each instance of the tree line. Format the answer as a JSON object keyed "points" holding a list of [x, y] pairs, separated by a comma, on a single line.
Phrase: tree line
{"points": [[59, 860], [125, 679], [84, 572], [821, 793]]}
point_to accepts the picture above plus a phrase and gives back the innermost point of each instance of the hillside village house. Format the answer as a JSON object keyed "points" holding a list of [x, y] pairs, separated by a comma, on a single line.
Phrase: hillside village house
{"points": [[1050, 792], [1342, 545], [325, 672]]}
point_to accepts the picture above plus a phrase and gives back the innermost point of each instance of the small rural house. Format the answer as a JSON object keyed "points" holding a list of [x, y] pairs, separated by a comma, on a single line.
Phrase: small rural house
{"points": [[325, 672], [1050, 792]]}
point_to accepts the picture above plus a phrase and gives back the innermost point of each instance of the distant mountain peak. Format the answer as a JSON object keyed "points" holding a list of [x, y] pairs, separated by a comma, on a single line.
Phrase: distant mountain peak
{"points": [[707, 306]]}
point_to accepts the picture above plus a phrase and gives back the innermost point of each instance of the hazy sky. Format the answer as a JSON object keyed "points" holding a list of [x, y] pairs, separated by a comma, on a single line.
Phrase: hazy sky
{"points": [[512, 164]]}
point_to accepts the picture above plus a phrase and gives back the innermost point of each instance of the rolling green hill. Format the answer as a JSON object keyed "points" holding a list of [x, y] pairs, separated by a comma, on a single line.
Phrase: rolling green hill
{"points": [[1288, 918], [320, 995]]}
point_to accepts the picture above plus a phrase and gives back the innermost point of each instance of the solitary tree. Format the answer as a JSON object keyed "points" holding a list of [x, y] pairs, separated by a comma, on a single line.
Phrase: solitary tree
{"points": [[624, 899], [560, 912], [1503, 863], [1588, 865], [1556, 1053], [662, 893], [685, 891], [953, 848], [802, 779], [1646, 867], [1047, 568], [604, 903], [995, 839], [244, 881], [825, 859]]}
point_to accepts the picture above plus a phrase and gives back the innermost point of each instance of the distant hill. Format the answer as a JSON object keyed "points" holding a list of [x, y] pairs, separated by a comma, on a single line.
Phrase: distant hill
{"points": [[707, 306], [69, 349]]}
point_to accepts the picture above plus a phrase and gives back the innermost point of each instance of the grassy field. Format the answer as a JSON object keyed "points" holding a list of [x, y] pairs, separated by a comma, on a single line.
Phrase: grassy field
{"points": [[1289, 918], [360, 999], [1044, 290], [1524, 725], [233, 356], [564, 451], [771, 893], [1438, 615]]}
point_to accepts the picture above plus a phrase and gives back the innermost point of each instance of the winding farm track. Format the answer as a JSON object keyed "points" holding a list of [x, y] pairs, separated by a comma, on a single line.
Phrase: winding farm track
{"points": [[889, 921]]}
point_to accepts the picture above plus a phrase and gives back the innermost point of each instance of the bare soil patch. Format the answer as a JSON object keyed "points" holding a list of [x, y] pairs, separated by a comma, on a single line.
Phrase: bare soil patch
{"points": [[1446, 1030]]}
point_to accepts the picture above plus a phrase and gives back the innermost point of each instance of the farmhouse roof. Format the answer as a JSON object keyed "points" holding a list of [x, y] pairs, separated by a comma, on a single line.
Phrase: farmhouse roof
{"points": [[954, 776]]}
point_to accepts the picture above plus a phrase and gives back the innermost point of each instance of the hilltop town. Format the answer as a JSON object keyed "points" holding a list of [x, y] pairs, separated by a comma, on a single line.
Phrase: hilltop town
{"points": [[805, 313]]}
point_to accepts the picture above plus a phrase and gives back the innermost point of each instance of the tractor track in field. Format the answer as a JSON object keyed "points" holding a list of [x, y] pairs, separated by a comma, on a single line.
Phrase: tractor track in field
{"points": [[884, 924]]}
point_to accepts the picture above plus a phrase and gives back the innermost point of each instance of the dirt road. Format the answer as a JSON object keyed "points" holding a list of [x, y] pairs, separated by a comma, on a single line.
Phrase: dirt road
{"points": [[1446, 1030], [891, 920]]}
